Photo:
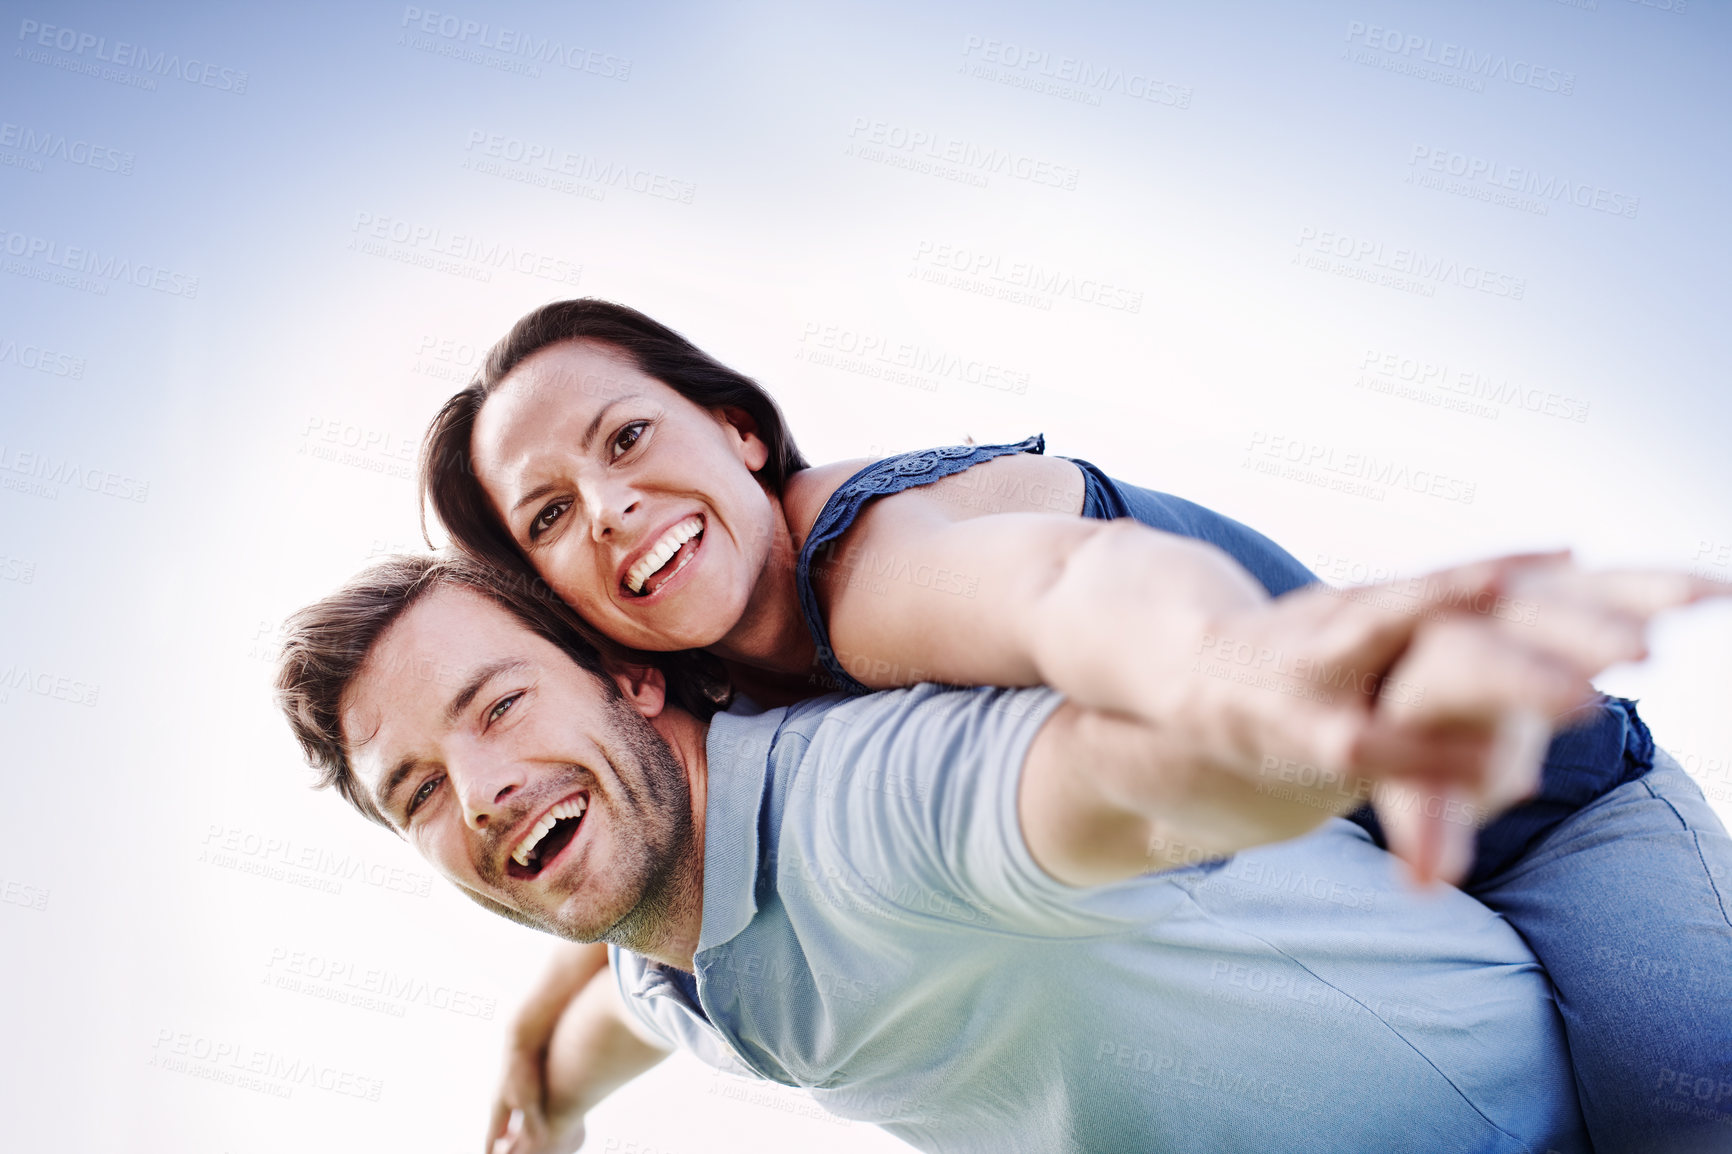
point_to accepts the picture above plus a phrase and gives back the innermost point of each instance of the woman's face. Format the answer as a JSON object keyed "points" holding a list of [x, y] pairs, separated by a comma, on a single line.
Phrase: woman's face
{"points": [[638, 507]]}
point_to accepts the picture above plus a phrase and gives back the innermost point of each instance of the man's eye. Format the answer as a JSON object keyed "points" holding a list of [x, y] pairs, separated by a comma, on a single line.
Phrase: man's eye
{"points": [[628, 436], [544, 520], [422, 794], [500, 709]]}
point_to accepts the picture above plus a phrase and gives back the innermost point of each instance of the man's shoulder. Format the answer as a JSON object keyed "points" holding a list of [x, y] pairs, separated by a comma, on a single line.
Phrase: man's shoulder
{"points": [[882, 712]]}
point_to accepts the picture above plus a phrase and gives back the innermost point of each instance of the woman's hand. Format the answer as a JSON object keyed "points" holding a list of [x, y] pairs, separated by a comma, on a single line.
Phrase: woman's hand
{"points": [[1440, 691], [1496, 673], [521, 1121], [519, 1124]]}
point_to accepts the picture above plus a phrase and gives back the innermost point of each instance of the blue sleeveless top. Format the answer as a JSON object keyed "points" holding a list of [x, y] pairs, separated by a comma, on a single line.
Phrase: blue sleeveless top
{"points": [[1104, 499]]}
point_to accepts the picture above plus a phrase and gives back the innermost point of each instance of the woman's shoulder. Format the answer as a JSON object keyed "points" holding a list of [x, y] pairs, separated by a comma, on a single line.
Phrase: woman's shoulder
{"points": [[806, 492], [954, 482]]}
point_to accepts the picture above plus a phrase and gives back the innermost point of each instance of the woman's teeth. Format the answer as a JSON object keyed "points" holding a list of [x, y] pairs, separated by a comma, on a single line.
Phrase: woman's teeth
{"points": [[664, 549], [573, 808]]}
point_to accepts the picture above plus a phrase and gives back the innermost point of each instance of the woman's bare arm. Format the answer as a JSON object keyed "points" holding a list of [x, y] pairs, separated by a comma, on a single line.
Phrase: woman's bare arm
{"points": [[570, 1046], [1172, 632]]}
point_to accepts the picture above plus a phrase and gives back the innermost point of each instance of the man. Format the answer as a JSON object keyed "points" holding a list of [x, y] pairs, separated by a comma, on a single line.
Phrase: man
{"points": [[925, 905]]}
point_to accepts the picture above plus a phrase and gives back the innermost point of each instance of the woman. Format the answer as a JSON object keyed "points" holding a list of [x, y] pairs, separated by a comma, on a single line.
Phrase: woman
{"points": [[659, 494]]}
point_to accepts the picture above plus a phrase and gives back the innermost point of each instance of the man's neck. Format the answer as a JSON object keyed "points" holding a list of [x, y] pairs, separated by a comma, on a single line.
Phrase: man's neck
{"points": [[673, 939]]}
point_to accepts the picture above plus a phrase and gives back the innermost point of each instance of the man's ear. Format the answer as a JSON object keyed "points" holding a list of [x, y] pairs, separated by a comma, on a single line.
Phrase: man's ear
{"points": [[644, 687], [743, 435]]}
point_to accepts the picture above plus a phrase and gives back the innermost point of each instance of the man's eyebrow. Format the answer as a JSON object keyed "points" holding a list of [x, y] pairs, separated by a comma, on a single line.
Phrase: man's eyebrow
{"points": [[392, 781], [460, 701], [589, 432]]}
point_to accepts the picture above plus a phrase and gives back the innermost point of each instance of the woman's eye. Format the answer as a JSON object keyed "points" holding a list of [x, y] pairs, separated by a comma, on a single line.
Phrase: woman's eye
{"points": [[422, 794], [628, 436], [500, 709], [544, 520]]}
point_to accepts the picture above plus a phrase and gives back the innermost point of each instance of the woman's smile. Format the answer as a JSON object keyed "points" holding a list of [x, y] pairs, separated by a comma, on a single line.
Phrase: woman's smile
{"points": [[649, 572]]}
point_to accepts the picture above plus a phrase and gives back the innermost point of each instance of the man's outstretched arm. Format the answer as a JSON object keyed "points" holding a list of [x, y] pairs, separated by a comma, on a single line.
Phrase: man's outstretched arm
{"points": [[571, 1045]]}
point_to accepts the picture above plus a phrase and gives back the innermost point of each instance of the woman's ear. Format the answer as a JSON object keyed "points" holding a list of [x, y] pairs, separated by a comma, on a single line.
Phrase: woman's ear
{"points": [[743, 433], [644, 687]]}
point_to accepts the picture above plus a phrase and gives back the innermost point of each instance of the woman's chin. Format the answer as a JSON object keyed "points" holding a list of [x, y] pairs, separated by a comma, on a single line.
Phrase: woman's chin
{"points": [[686, 620]]}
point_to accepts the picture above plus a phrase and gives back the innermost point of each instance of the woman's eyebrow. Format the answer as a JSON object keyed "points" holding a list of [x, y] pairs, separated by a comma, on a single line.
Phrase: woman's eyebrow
{"points": [[594, 426], [589, 433]]}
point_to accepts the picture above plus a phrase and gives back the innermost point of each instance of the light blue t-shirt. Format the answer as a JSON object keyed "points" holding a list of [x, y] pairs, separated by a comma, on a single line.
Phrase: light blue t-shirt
{"points": [[875, 930]]}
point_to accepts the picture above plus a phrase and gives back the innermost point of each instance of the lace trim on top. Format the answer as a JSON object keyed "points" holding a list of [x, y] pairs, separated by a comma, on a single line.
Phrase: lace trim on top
{"points": [[879, 479]]}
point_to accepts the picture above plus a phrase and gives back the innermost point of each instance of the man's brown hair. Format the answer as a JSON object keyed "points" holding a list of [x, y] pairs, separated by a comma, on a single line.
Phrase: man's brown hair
{"points": [[328, 642]]}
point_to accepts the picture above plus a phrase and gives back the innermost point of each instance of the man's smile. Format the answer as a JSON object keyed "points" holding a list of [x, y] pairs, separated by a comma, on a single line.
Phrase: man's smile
{"points": [[542, 842]]}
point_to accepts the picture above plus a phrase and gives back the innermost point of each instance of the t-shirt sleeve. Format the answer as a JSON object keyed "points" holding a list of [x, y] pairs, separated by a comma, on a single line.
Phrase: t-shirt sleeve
{"points": [[922, 811]]}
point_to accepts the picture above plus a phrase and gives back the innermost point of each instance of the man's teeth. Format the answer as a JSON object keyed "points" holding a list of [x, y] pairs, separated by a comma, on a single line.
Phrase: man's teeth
{"points": [[665, 548], [572, 808]]}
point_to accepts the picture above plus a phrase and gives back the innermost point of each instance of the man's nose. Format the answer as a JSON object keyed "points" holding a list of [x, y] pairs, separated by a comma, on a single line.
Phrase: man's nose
{"points": [[485, 785]]}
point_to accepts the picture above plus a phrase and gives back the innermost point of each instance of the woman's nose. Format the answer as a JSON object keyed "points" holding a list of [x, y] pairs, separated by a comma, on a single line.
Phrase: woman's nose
{"points": [[615, 510]]}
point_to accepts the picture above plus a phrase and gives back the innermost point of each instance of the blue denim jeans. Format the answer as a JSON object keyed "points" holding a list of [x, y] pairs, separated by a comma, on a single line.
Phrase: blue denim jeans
{"points": [[1620, 878], [1628, 903]]}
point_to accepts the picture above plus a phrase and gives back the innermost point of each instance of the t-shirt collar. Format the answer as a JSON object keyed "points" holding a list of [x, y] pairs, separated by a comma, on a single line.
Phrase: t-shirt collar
{"points": [[738, 753]]}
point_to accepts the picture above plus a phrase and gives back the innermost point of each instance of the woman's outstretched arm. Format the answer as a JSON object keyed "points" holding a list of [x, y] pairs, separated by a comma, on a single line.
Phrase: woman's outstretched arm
{"points": [[1171, 631]]}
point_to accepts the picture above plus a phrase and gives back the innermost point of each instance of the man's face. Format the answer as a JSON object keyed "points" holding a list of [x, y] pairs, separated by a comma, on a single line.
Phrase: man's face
{"points": [[516, 772]]}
